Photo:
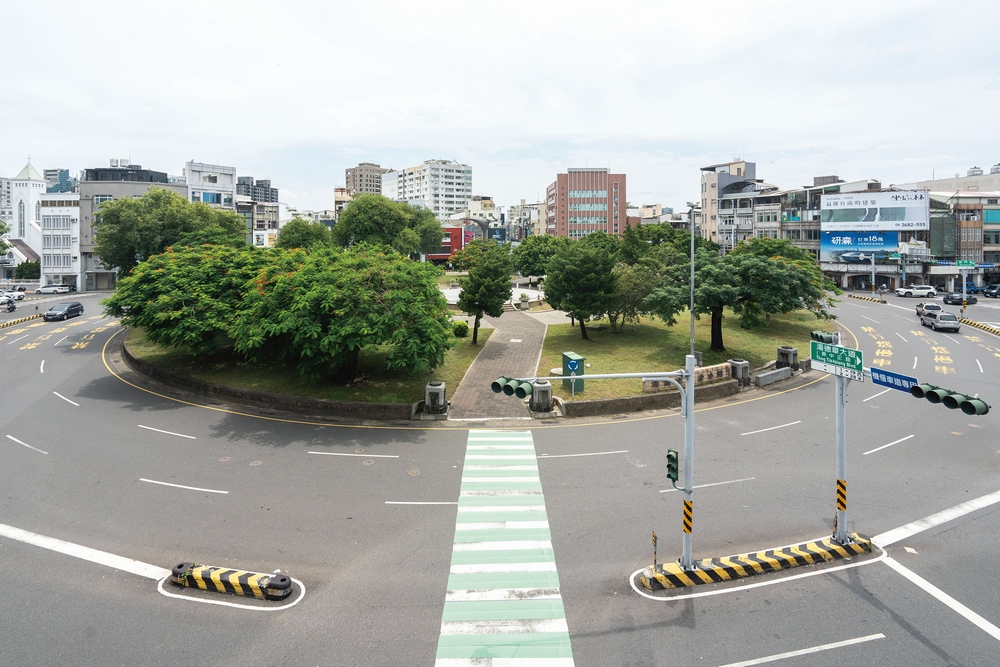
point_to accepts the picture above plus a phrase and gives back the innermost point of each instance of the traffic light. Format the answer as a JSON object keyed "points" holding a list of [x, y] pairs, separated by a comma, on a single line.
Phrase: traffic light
{"points": [[672, 465], [950, 399], [499, 384], [822, 336], [512, 387]]}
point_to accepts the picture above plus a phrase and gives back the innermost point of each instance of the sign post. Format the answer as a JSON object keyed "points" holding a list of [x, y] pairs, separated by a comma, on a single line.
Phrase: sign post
{"points": [[964, 265]]}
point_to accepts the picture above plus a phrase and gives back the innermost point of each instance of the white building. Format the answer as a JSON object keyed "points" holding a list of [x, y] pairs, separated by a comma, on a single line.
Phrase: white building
{"points": [[60, 247], [442, 186], [212, 184]]}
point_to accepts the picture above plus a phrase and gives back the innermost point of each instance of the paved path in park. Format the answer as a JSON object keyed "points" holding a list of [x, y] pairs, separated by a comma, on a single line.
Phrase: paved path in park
{"points": [[512, 350]]}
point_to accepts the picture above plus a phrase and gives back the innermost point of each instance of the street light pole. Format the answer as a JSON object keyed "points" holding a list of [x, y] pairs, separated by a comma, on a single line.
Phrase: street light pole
{"points": [[691, 308]]}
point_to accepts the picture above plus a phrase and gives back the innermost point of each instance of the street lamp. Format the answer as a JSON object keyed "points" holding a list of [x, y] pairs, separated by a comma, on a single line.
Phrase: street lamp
{"points": [[873, 268], [691, 207]]}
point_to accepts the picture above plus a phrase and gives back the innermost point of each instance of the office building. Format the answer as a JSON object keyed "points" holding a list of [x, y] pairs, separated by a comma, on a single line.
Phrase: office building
{"points": [[259, 191], [583, 201], [442, 186], [366, 177], [59, 180], [6, 212], [211, 184]]}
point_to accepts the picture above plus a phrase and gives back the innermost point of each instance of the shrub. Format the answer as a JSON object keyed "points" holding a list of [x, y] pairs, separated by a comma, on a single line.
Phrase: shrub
{"points": [[460, 329]]}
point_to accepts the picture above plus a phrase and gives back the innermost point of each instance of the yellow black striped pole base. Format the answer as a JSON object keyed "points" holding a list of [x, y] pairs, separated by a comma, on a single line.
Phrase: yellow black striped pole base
{"points": [[866, 298], [714, 570], [237, 582]]}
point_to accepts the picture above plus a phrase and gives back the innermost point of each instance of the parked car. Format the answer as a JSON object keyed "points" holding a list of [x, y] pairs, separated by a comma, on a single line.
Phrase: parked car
{"points": [[942, 320], [927, 308], [955, 298], [63, 311], [53, 289], [993, 291], [916, 290], [14, 294]]}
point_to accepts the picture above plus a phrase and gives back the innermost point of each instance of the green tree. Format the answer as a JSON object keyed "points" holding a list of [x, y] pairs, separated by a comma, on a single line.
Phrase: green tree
{"points": [[300, 233], [663, 234], [471, 254], [607, 242], [3, 231], [211, 235], [633, 247], [580, 280], [633, 284], [533, 254], [428, 228], [487, 286], [28, 270], [128, 230], [377, 220], [320, 309]]}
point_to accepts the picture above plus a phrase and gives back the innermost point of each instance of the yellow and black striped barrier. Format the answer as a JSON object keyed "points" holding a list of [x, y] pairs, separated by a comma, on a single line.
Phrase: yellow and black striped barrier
{"points": [[866, 298], [842, 495], [688, 516], [715, 570], [237, 582], [18, 321], [979, 325]]}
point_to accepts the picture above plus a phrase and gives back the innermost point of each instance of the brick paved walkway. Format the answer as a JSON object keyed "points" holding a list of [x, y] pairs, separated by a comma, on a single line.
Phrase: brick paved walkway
{"points": [[512, 350]]}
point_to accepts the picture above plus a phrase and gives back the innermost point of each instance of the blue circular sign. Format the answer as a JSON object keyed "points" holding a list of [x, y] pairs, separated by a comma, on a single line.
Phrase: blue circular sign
{"points": [[572, 364]]}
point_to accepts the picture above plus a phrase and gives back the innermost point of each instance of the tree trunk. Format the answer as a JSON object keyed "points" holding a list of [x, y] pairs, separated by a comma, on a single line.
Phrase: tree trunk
{"points": [[717, 345], [475, 331], [583, 329]]}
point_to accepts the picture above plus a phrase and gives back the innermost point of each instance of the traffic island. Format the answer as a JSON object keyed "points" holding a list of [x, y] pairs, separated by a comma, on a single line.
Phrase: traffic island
{"points": [[866, 298], [979, 325], [716, 570], [235, 582], [11, 323]]}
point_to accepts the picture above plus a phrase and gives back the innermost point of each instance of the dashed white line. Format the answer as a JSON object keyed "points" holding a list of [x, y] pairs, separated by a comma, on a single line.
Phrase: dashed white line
{"points": [[897, 534], [702, 486], [181, 486], [806, 651], [895, 442], [367, 456], [876, 395], [914, 363], [41, 369], [901, 336], [60, 340], [980, 366], [180, 435], [65, 399], [772, 428], [563, 456], [870, 319], [10, 437], [17, 339], [951, 339]]}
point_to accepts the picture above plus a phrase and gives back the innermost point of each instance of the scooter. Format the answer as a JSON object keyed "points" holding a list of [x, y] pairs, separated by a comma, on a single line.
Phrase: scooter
{"points": [[11, 307]]}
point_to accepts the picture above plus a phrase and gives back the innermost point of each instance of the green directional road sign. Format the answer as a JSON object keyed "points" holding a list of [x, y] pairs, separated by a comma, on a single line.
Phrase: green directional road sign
{"points": [[838, 360], [965, 264]]}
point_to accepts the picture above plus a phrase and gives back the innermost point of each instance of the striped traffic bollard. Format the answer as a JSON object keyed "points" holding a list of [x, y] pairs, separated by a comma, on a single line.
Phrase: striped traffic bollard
{"points": [[237, 582]]}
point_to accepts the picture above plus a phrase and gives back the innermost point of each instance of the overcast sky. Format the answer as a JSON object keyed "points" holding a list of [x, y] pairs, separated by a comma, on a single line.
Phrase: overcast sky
{"points": [[298, 91]]}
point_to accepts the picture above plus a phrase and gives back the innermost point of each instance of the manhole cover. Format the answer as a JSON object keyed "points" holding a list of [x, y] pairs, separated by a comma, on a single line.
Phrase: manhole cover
{"points": [[414, 472], [255, 463], [368, 462], [359, 450], [224, 459]]}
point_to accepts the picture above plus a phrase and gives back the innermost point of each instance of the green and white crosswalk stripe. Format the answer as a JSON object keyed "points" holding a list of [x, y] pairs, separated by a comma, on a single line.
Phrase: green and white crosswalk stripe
{"points": [[503, 607]]}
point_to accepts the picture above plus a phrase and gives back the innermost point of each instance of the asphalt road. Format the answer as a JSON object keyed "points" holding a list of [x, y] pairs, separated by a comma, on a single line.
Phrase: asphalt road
{"points": [[96, 463]]}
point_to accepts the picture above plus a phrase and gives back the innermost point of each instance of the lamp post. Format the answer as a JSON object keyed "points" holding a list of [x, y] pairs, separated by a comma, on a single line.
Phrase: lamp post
{"points": [[691, 207]]}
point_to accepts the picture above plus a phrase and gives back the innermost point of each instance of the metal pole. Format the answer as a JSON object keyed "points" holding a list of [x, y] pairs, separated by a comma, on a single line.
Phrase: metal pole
{"points": [[691, 223], [873, 271], [686, 561], [840, 534]]}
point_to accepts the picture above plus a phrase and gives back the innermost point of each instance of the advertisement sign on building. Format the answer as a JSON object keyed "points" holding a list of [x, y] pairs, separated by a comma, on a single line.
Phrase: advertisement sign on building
{"points": [[857, 247], [875, 211]]}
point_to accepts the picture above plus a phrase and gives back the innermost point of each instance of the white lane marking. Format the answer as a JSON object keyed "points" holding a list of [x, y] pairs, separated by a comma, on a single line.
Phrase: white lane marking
{"points": [[951, 339], [502, 525], [501, 508], [914, 363], [84, 553], [980, 366], [10, 437], [180, 486], [500, 493], [499, 446], [491, 480], [429, 502], [772, 428], [497, 568], [702, 486], [186, 598], [901, 336], [499, 457], [65, 399], [856, 305], [895, 442], [180, 435], [870, 319], [41, 369], [875, 396], [955, 605], [505, 468], [503, 545], [60, 340], [365, 456], [566, 456], [17, 339], [806, 651], [896, 534], [492, 594], [516, 626]]}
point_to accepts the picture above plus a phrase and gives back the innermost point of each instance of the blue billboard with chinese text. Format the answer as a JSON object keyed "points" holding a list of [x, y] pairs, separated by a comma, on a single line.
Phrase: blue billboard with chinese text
{"points": [[857, 247]]}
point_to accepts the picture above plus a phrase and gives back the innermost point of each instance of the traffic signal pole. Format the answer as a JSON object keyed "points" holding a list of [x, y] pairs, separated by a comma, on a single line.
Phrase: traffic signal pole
{"points": [[840, 529], [686, 561]]}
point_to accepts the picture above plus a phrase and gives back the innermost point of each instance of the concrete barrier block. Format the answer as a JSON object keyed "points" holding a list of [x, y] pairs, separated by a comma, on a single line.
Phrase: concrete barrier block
{"points": [[770, 377]]}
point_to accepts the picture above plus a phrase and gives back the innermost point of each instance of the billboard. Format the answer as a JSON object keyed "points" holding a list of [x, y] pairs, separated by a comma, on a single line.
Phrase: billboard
{"points": [[857, 247], [875, 211]]}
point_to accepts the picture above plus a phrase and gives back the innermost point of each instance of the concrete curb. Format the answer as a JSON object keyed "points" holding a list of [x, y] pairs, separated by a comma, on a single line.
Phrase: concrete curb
{"points": [[715, 570], [866, 298], [236, 582], [980, 325], [19, 321]]}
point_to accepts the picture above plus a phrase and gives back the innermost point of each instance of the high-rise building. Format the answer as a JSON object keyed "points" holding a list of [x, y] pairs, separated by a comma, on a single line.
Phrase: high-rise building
{"points": [[583, 201], [259, 191], [442, 186], [59, 180], [366, 177], [211, 184], [6, 213]]}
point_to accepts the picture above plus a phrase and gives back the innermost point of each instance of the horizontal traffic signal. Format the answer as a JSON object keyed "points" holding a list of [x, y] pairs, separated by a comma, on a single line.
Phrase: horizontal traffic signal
{"points": [[511, 387], [499, 384], [950, 399], [822, 336], [673, 466]]}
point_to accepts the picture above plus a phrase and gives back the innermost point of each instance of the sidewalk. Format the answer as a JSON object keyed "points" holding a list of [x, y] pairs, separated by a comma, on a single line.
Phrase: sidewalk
{"points": [[512, 350]]}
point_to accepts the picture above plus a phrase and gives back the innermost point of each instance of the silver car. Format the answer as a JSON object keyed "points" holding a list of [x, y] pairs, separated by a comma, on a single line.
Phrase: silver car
{"points": [[13, 294], [53, 289], [943, 321]]}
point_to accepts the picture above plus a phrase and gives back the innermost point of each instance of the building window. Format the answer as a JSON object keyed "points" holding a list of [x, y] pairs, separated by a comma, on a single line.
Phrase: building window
{"points": [[100, 199], [38, 211]]}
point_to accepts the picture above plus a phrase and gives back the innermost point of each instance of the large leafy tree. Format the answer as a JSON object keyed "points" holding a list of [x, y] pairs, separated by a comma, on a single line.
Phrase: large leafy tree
{"points": [[532, 255], [633, 247], [187, 297], [3, 231], [580, 280], [474, 252], [603, 240], [129, 230], [300, 233], [377, 220], [320, 309], [28, 270], [663, 234], [633, 284], [487, 286]]}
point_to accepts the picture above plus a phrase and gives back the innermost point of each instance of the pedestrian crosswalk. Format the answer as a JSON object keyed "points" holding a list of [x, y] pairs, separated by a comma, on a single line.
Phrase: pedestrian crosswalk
{"points": [[503, 607]]}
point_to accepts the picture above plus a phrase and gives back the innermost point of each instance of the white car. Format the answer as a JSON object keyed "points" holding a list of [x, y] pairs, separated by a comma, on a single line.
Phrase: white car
{"points": [[916, 290], [53, 289], [14, 294]]}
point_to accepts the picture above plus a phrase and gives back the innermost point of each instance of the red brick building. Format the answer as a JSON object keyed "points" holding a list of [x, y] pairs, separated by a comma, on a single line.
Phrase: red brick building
{"points": [[582, 201]]}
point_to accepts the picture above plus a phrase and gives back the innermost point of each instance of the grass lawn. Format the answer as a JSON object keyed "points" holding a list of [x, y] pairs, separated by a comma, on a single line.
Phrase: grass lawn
{"points": [[653, 346], [378, 386]]}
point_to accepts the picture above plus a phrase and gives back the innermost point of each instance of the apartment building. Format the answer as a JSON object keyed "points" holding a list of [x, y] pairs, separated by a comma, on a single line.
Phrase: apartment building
{"points": [[212, 184], [583, 201], [441, 186], [366, 177], [256, 190], [715, 178]]}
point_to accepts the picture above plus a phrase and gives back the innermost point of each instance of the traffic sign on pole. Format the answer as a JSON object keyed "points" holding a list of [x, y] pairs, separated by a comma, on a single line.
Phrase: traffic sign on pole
{"points": [[893, 380], [965, 264], [837, 360]]}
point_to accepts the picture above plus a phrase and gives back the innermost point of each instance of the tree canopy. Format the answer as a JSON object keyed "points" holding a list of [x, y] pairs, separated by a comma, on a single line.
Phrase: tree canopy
{"points": [[3, 230], [580, 281], [129, 230], [532, 255], [300, 233], [377, 220], [487, 286]]}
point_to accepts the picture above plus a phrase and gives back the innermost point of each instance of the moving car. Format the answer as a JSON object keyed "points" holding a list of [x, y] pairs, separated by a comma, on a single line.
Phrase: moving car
{"points": [[942, 320], [993, 291], [916, 290], [14, 294], [955, 298], [927, 308], [53, 289], [63, 311]]}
